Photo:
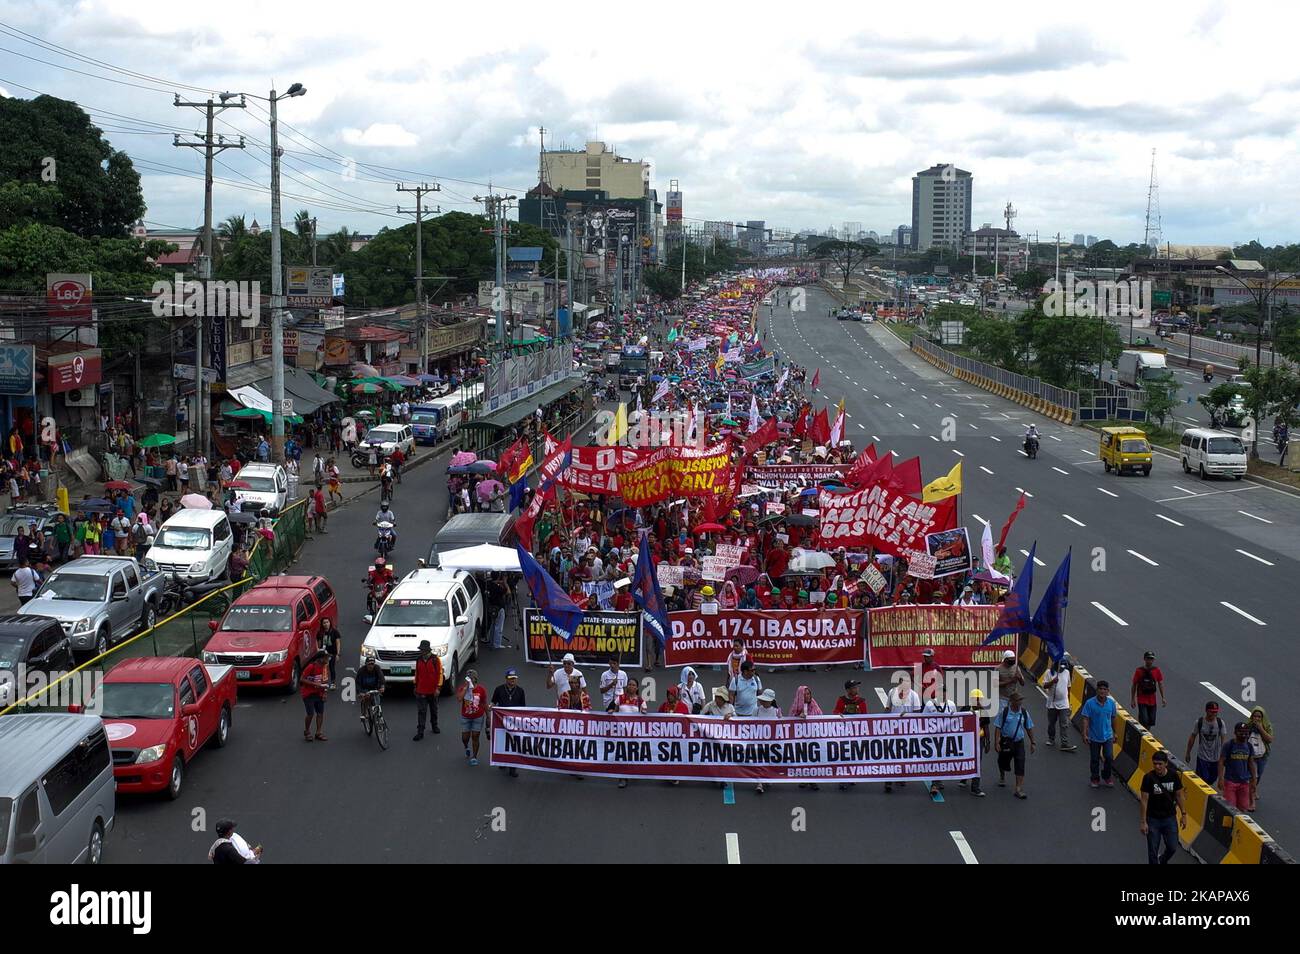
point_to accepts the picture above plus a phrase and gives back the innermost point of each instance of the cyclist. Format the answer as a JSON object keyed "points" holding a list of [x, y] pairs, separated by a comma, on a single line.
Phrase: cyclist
{"points": [[370, 678]]}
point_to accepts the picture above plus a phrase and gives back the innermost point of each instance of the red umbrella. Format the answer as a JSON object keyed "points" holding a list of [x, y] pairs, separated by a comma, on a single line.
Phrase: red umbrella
{"points": [[117, 485], [710, 528]]}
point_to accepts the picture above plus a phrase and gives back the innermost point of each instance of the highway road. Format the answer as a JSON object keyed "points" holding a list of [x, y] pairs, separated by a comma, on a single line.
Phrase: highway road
{"points": [[1194, 571], [347, 801]]}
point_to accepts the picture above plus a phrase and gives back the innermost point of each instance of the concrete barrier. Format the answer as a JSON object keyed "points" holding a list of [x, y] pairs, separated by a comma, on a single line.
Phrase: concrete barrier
{"points": [[1054, 411]]}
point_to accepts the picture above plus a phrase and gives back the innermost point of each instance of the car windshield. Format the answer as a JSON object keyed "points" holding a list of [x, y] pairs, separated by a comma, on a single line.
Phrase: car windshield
{"points": [[424, 417], [134, 700], [1226, 445], [11, 652], [73, 586], [1135, 447], [261, 485], [183, 538], [378, 436], [414, 613], [252, 618]]}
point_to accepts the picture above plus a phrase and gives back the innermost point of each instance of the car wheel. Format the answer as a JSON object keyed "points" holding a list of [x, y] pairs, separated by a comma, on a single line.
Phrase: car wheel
{"points": [[1201, 470], [222, 735], [1105, 466], [102, 642], [449, 684], [149, 618], [1146, 472], [176, 779], [95, 846], [1186, 469], [294, 676], [1236, 476]]}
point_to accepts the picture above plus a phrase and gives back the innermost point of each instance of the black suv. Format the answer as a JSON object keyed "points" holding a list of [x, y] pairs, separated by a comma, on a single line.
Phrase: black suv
{"points": [[34, 643]]}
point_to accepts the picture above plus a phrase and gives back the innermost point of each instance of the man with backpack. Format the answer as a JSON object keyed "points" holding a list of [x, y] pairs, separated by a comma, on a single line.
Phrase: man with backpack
{"points": [[1209, 735], [1147, 681]]}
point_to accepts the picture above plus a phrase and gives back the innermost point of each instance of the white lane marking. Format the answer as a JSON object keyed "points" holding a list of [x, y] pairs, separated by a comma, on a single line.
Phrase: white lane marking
{"points": [[899, 413], [998, 439], [938, 404], [917, 426], [1253, 557], [1169, 520], [1241, 612], [973, 427], [1143, 559], [1214, 493], [1109, 613], [1022, 490], [888, 405], [1185, 490], [963, 847], [1080, 463], [986, 470], [894, 452], [1226, 698], [1059, 471], [1072, 520], [1107, 492], [980, 519], [932, 437], [1253, 517], [875, 438], [1054, 437], [876, 396], [1037, 562], [733, 848], [1021, 453]]}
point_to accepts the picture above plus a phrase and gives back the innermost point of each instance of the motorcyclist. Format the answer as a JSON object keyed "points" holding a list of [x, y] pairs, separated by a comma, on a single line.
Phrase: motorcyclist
{"points": [[385, 513], [380, 573], [1031, 437]]}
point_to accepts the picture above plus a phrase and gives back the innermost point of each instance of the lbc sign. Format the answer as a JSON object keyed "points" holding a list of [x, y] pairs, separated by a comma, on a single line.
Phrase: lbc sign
{"points": [[68, 297]]}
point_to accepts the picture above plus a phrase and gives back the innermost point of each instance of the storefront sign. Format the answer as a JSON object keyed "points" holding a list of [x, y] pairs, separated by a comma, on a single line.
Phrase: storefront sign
{"points": [[76, 369]]}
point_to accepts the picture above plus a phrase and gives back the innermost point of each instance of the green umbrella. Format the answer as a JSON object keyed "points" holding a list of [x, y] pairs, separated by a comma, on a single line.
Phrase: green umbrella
{"points": [[264, 415], [158, 440], [365, 387]]}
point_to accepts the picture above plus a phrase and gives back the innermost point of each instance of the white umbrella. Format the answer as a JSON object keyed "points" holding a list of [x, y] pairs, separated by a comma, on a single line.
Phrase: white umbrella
{"points": [[196, 502], [808, 561], [485, 556]]}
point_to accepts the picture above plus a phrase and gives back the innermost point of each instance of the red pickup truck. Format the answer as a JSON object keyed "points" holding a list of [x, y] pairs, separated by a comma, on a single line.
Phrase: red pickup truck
{"points": [[270, 632], [158, 712]]}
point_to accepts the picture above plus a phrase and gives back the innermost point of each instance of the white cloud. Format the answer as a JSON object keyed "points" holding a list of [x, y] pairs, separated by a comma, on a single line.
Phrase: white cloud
{"points": [[380, 134]]}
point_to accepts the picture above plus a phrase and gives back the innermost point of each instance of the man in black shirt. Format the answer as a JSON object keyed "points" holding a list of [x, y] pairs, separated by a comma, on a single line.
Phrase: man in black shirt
{"points": [[1162, 795], [508, 695]]}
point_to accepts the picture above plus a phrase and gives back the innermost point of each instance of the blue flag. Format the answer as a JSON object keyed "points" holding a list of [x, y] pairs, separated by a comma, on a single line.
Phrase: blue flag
{"points": [[517, 491], [561, 612], [646, 594], [1048, 623], [1015, 612]]}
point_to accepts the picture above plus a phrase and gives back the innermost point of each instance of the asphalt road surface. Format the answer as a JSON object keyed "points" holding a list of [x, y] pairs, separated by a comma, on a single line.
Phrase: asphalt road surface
{"points": [[1196, 572]]}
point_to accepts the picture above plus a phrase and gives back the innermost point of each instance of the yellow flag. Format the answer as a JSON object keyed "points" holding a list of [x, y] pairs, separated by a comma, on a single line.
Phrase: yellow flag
{"points": [[619, 430], [947, 486]]}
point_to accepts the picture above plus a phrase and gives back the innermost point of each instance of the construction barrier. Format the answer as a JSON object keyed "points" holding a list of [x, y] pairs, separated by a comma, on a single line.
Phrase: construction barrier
{"points": [[1062, 409], [1216, 832]]}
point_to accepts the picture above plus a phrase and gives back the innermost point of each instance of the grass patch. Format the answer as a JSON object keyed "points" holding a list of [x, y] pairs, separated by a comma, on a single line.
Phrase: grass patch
{"points": [[902, 330], [1262, 468]]}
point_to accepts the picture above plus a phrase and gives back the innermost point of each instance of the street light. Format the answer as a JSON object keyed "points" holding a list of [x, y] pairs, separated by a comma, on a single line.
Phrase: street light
{"points": [[277, 281], [1261, 298]]}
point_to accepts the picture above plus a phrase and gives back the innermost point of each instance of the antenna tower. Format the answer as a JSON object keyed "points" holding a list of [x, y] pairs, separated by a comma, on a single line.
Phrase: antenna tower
{"points": [[1151, 234]]}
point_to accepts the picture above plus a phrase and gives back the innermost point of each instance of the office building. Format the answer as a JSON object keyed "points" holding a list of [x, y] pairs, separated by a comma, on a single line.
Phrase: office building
{"points": [[941, 207]]}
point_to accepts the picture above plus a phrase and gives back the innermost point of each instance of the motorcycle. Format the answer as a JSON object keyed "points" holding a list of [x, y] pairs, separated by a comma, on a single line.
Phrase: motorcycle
{"points": [[376, 592], [1031, 447], [386, 540]]}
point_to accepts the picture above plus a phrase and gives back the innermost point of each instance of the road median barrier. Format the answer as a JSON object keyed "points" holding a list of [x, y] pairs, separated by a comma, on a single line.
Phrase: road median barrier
{"points": [[1040, 397]]}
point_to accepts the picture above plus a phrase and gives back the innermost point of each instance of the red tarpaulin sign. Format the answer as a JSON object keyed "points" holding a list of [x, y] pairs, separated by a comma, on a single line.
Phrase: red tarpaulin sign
{"points": [[668, 472], [897, 635], [877, 517], [801, 637], [595, 469], [861, 748], [76, 369]]}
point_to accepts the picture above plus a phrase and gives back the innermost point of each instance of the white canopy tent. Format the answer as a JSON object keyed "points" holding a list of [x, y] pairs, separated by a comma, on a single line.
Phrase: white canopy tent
{"points": [[485, 556]]}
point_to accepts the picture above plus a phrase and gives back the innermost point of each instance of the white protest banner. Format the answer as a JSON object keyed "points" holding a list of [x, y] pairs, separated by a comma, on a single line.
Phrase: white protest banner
{"points": [[921, 566], [670, 575], [873, 578], [729, 554], [774, 507], [713, 568]]}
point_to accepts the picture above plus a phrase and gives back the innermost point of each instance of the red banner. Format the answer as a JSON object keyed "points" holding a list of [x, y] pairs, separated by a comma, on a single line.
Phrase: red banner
{"points": [[75, 369], [801, 637], [897, 635], [781, 476], [885, 519], [595, 469], [668, 472], [861, 748]]}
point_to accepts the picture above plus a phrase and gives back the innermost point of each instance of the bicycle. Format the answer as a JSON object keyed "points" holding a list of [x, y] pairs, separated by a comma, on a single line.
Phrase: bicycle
{"points": [[372, 717]]}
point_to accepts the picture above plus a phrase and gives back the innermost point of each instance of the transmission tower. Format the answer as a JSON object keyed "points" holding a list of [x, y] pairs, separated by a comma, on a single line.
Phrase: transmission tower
{"points": [[1151, 236], [1009, 213]]}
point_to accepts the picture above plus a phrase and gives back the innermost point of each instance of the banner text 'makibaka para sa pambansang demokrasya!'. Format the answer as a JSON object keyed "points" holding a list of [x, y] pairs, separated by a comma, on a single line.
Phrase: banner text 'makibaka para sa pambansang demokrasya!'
{"points": [[864, 748]]}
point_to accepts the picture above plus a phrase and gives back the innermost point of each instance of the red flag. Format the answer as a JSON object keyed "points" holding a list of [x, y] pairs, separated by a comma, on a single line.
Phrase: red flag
{"points": [[907, 477], [515, 461], [1006, 528], [526, 519], [817, 376], [801, 420], [874, 472], [761, 437], [820, 432]]}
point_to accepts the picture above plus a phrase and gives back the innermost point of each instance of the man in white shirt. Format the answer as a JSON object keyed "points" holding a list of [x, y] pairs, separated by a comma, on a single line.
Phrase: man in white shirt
{"points": [[967, 597], [1056, 683], [767, 709], [25, 580], [612, 682], [902, 700], [559, 678]]}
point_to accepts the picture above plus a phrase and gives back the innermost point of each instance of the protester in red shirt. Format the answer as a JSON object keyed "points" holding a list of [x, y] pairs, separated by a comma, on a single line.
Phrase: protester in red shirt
{"points": [[312, 684], [778, 559], [1147, 681], [622, 601], [673, 704], [428, 683], [473, 704]]}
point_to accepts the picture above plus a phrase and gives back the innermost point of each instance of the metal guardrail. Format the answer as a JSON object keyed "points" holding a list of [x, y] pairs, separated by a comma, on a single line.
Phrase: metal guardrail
{"points": [[1009, 379], [1224, 349], [1113, 403]]}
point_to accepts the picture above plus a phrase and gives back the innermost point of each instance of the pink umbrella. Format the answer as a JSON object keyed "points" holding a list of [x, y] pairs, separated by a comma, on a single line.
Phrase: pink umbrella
{"points": [[196, 502], [461, 458], [487, 488]]}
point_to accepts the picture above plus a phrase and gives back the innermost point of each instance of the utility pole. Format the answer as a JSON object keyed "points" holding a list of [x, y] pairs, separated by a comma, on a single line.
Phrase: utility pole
{"points": [[277, 286], [421, 324], [495, 206], [1058, 258], [313, 241], [209, 147]]}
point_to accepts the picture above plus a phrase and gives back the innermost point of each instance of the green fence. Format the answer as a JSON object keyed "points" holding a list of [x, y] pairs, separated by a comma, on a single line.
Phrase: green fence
{"points": [[186, 632]]}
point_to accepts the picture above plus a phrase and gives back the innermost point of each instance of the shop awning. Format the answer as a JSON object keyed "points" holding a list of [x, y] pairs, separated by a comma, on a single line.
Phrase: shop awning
{"points": [[308, 396], [514, 413]]}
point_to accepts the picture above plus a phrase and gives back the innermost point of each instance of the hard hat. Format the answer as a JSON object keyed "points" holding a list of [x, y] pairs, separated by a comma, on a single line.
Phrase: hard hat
{"points": [[976, 694]]}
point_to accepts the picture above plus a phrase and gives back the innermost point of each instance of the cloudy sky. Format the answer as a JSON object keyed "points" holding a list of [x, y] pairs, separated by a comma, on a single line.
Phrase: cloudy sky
{"points": [[801, 115]]}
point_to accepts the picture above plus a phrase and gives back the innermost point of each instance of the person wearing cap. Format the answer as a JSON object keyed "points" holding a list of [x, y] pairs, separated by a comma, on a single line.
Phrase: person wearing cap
{"points": [[558, 679], [612, 683], [1010, 678], [967, 597], [744, 689], [981, 707], [428, 683], [473, 706], [931, 674], [673, 704], [767, 709], [708, 600], [1147, 681], [1056, 684], [1098, 715], [230, 848], [719, 706], [1161, 795], [1010, 728], [1238, 774], [1208, 735]]}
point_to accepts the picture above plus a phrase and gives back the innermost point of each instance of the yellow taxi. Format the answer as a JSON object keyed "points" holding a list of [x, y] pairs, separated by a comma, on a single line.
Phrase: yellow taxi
{"points": [[1125, 448]]}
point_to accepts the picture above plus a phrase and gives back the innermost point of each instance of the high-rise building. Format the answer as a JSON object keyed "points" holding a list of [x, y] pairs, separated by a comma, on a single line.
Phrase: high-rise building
{"points": [[851, 231], [753, 236], [596, 168], [1090, 241], [1078, 238], [941, 207], [903, 236]]}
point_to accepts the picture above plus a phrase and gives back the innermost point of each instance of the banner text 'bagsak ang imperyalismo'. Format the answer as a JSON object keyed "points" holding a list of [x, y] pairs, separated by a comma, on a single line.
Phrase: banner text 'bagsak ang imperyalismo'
{"points": [[865, 748], [802, 637]]}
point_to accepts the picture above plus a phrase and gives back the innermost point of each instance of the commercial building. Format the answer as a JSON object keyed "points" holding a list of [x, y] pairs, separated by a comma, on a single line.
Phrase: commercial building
{"points": [[1006, 244], [941, 207]]}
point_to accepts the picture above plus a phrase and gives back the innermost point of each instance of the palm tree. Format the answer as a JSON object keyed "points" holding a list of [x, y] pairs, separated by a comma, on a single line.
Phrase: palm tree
{"points": [[232, 228], [302, 223]]}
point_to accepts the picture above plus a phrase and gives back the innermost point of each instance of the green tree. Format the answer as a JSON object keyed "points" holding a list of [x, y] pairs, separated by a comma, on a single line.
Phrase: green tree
{"points": [[52, 142], [26, 203], [232, 227], [1272, 392], [1030, 281], [845, 257], [994, 339], [1161, 398]]}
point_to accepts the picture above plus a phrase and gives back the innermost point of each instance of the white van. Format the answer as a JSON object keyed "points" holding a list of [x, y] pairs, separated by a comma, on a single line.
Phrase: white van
{"points": [[194, 545], [57, 793], [1212, 453], [389, 437], [267, 491], [443, 606]]}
